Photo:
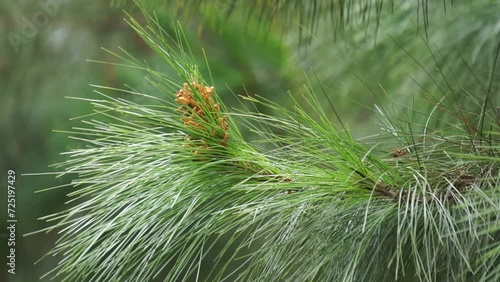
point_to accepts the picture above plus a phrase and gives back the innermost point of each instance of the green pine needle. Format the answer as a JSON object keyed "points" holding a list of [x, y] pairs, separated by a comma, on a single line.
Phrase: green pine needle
{"points": [[156, 196]]}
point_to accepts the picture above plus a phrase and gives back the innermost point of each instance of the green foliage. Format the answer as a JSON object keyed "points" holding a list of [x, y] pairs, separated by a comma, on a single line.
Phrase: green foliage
{"points": [[159, 184], [305, 17], [451, 65]]}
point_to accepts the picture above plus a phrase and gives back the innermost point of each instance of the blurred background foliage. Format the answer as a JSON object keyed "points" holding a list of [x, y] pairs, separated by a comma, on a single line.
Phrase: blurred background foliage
{"points": [[391, 53]]}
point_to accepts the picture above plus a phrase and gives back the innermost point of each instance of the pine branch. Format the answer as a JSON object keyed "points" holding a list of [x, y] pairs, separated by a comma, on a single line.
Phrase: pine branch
{"points": [[158, 185], [284, 15]]}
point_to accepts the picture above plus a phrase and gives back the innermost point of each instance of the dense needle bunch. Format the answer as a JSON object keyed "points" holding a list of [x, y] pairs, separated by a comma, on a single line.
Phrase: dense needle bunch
{"points": [[202, 115], [313, 204]]}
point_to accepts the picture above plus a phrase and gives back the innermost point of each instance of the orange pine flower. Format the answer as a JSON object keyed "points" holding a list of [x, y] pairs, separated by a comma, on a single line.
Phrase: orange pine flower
{"points": [[197, 107]]}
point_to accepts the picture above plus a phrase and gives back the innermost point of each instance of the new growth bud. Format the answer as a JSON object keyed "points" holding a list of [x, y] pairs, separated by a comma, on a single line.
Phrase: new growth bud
{"points": [[201, 115]]}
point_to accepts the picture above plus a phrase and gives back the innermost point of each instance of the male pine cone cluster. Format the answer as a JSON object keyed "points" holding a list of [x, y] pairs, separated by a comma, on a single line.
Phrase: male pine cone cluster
{"points": [[202, 115]]}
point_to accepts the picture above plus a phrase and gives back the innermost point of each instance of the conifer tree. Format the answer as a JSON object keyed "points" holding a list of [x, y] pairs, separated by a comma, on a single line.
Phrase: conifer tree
{"points": [[170, 188]]}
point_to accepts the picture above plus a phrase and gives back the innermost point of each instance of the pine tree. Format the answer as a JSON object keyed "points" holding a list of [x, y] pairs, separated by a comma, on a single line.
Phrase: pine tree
{"points": [[171, 189]]}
